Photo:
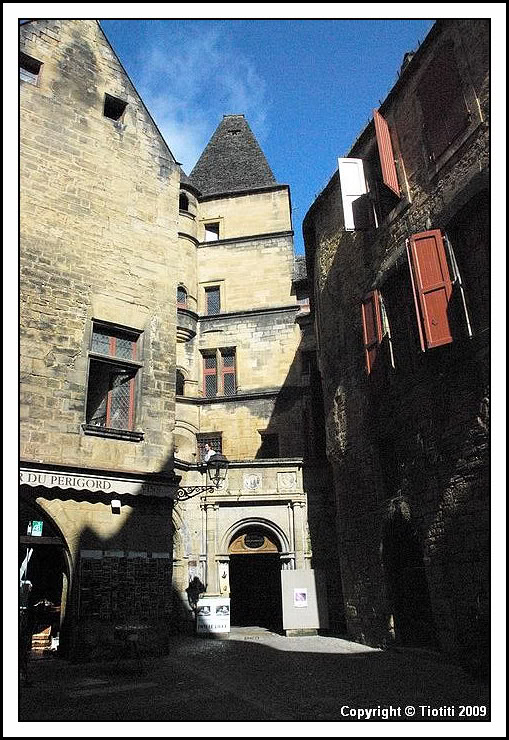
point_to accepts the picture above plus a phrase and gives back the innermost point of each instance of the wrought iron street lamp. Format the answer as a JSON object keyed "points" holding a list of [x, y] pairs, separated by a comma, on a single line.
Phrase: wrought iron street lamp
{"points": [[216, 472]]}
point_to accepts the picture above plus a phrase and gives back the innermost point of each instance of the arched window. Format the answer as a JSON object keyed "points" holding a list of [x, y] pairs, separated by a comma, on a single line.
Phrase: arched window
{"points": [[183, 202], [181, 297], [179, 389]]}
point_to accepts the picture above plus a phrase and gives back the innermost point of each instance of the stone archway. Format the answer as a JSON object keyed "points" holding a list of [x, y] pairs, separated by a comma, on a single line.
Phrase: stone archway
{"points": [[44, 561], [406, 581], [255, 582]]}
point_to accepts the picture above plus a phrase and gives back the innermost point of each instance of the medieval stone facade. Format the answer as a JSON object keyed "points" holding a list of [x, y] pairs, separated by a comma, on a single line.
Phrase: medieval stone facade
{"points": [[397, 250], [158, 311]]}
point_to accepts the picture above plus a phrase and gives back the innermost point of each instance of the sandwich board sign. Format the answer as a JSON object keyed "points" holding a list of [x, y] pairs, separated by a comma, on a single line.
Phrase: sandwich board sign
{"points": [[213, 615]]}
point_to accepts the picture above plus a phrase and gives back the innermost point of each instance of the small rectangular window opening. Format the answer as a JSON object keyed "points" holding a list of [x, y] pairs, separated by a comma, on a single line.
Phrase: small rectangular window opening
{"points": [[29, 68], [213, 439], [211, 232], [114, 107], [269, 447]]}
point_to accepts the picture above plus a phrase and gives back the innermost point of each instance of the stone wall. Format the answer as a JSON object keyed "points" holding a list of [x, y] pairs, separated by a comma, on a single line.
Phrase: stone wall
{"points": [[409, 445], [98, 230]]}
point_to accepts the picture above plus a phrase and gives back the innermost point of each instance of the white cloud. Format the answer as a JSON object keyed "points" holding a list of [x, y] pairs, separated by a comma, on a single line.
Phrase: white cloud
{"points": [[191, 81]]}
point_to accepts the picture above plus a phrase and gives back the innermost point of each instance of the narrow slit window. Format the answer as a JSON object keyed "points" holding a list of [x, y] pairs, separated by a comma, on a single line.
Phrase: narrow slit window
{"points": [[210, 376], [228, 369], [181, 297], [114, 108]]}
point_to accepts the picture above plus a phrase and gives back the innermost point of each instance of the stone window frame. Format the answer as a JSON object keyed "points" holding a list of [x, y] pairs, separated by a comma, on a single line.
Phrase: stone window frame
{"points": [[115, 106], [208, 231], [213, 439], [219, 370], [182, 289], [270, 438], [107, 363], [29, 69]]}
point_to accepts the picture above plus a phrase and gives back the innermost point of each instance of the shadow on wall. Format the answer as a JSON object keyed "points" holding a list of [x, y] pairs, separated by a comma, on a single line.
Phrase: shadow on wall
{"points": [[122, 577], [413, 437], [298, 422]]}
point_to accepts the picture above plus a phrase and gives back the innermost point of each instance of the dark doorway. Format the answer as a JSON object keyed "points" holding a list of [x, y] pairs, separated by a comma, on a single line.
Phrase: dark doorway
{"points": [[407, 584], [255, 586], [43, 568]]}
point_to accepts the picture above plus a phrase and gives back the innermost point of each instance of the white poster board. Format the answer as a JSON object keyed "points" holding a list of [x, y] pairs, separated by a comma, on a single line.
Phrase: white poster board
{"points": [[213, 615]]}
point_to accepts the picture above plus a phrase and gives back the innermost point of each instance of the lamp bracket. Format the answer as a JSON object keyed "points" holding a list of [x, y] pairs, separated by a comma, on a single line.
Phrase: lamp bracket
{"points": [[186, 492]]}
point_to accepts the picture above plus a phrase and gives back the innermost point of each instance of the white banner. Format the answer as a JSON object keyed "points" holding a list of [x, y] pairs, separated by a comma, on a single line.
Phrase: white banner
{"points": [[94, 483]]}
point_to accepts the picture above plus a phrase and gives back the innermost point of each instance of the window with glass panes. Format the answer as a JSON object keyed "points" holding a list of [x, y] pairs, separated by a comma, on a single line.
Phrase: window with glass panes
{"points": [[210, 375], [181, 297], [212, 301], [113, 367], [228, 371], [219, 376], [29, 68], [213, 439]]}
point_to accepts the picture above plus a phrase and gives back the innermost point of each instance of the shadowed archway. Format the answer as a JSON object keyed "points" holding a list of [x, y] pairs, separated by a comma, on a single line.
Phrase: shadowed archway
{"points": [[255, 580]]}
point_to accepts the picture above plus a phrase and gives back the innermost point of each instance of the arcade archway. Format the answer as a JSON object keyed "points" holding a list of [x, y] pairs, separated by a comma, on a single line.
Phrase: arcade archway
{"points": [[43, 562]]}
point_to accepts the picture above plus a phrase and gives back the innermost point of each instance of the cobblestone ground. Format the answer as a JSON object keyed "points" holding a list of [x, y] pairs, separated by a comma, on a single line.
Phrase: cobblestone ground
{"points": [[256, 676]]}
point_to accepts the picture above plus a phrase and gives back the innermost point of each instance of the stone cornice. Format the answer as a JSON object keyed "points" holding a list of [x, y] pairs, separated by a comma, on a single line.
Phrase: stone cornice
{"points": [[251, 312], [248, 191], [251, 238]]}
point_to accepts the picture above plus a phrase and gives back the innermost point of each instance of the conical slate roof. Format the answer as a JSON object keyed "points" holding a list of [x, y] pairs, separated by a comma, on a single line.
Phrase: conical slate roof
{"points": [[232, 160]]}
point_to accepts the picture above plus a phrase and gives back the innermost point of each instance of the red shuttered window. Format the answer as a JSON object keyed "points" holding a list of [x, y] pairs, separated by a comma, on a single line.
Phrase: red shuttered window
{"points": [[432, 287], [372, 328], [386, 153]]}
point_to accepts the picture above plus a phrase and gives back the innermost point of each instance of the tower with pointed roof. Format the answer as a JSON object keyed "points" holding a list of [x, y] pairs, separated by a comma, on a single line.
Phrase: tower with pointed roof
{"points": [[243, 363]]}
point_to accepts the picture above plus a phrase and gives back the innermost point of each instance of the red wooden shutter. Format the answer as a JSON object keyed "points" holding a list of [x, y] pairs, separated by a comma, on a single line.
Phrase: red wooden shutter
{"points": [[372, 327], [383, 139], [432, 286]]}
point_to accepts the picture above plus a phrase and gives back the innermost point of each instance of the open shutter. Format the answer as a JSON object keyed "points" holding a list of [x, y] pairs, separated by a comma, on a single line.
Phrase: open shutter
{"points": [[372, 327], [383, 139], [441, 95], [353, 186], [432, 287]]}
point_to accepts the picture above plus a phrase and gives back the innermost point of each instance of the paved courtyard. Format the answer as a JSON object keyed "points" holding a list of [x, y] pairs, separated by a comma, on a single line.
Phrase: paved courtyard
{"points": [[256, 676]]}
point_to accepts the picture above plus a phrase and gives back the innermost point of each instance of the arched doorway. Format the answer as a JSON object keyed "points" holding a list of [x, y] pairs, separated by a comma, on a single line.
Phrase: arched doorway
{"points": [[43, 563], [407, 584], [255, 579]]}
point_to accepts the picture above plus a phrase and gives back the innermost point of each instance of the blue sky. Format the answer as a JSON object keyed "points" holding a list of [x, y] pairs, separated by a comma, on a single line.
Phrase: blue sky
{"points": [[307, 87]]}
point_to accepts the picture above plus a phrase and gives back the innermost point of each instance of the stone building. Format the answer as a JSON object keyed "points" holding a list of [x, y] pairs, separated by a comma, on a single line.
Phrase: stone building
{"points": [[397, 249], [159, 311]]}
